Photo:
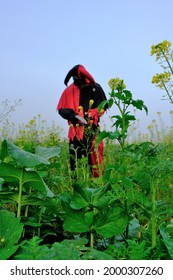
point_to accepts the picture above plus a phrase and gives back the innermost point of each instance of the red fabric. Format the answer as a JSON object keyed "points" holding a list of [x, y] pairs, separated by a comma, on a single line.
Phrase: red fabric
{"points": [[97, 160], [82, 72], [71, 132], [70, 98], [79, 132]]}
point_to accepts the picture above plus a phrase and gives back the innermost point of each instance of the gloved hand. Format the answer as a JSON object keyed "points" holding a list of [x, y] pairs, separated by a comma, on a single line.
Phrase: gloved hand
{"points": [[68, 114]]}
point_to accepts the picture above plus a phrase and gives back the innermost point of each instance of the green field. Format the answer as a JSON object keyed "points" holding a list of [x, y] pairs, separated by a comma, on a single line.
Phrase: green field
{"points": [[49, 212]]}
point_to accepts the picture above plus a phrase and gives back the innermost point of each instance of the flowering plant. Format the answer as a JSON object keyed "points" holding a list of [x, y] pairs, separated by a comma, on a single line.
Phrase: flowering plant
{"points": [[164, 55]]}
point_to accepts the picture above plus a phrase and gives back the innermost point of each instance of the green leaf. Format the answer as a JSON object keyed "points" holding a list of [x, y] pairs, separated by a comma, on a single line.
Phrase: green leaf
{"points": [[60, 251], [110, 102], [80, 188], [119, 121], [102, 198], [78, 202], [77, 221], [31, 250], [32, 200], [114, 135], [134, 228], [32, 178], [102, 135], [9, 196], [47, 153], [67, 249], [10, 173], [128, 94], [129, 117], [128, 183], [167, 239], [10, 233], [80, 198], [102, 105], [1, 183], [93, 254], [88, 217], [139, 104], [21, 157], [111, 223]]}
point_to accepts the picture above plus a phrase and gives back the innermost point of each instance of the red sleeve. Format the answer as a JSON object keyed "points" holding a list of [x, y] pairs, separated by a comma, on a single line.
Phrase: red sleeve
{"points": [[69, 98]]}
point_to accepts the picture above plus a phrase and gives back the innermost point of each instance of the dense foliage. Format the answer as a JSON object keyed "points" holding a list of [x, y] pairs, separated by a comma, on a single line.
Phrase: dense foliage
{"points": [[125, 214]]}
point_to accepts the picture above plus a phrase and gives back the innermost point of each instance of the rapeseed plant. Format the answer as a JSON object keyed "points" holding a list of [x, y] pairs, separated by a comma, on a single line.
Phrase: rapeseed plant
{"points": [[164, 56]]}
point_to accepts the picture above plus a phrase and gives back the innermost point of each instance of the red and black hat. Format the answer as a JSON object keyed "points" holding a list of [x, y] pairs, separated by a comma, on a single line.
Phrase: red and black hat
{"points": [[80, 72]]}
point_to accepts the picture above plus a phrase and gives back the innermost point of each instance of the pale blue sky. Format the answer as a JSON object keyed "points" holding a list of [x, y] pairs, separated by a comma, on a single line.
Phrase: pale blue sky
{"points": [[42, 39]]}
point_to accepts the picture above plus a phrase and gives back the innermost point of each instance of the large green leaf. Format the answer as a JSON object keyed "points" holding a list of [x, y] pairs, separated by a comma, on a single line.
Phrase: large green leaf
{"points": [[80, 188], [10, 233], [47, 153], [77, 221], [83, 197], [78, 202], [26, 199], [167, 239], [93, 254], [80, 198], [31, 178], [60, 251], [10, 173], [102, 198], [21, 157], [113, 222], [34, 180]]}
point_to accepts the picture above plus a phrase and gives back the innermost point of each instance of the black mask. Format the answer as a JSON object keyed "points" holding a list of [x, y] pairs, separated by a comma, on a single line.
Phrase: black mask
{"points": [[79, 82]]}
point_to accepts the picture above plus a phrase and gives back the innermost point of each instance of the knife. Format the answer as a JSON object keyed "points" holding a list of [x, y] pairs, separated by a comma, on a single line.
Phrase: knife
{"points": [[81, 119]]}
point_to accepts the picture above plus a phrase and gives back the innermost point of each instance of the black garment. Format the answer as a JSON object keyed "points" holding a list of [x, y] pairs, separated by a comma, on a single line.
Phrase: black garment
{"points": [[94, 92], [87, 92]]}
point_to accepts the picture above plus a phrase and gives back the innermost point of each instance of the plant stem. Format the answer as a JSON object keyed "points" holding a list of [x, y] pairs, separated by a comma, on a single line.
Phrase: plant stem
{"points": [[39, 221], [153, 211], [167, 60], [167, 91], [20, 195], [91, 240]]}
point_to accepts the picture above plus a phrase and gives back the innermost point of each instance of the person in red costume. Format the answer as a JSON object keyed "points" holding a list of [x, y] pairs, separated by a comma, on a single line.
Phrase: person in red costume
{"points": [[78, 104]]}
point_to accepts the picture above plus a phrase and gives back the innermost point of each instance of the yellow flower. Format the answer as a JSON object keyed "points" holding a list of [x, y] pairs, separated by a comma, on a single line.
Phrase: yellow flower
{"points": [[91, 102], [160, 49], [116, 84], [161, 79], [77, 124], [80, 108], [91, 122]]}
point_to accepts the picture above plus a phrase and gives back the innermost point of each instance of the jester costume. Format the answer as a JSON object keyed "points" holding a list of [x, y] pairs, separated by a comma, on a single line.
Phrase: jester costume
{"points": [[79, 106]]}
